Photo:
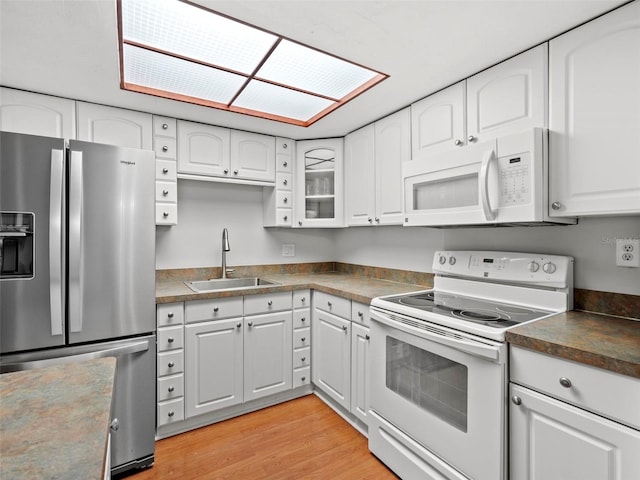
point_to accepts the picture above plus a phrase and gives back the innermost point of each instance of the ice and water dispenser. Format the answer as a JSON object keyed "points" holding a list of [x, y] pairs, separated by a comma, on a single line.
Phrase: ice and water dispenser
{"points": [[17, 245]]}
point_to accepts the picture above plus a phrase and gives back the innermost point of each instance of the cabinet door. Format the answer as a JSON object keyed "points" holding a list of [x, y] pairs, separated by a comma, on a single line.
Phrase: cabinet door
{"points": [[392, 147], [319, 185], [267, 358], [253, 156], [114, 126], [595, 117], [35, 114], [213, 365], [359, 371], [331, 356], [438, 122], [509, 97], [359, 164], [550, 439], [203, 149]]}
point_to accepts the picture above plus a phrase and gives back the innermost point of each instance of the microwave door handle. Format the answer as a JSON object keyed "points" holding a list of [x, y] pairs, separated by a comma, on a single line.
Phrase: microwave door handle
{"points": [[75, 241], [488, 158], [55, 241]]}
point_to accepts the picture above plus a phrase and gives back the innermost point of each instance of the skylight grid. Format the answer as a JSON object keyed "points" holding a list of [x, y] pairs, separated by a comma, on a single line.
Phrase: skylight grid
{"points": [[178, 50]]}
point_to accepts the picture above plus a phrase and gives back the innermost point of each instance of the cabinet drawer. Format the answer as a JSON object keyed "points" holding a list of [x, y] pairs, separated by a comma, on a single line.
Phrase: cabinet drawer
{"points": [[171, 411], [164, 126], [284, 217], [166, 213], [607, 393], [301, 299], [283, 181], [213, 309], [330, 303], [360, 313], [267, 302], [166, 192], [166, 170], [170, 387], [170, 363], [301, 318], [302, 338], [170, 314], [301, 377], [165, 147], [302, 357], [170, 338], [283, 199]]}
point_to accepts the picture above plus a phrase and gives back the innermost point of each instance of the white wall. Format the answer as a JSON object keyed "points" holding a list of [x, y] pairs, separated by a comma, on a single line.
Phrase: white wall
{"points": [[591, 243], [205, 208]]}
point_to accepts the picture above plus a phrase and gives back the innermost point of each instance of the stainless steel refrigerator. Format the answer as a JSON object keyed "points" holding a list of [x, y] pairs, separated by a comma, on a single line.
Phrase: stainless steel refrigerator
{"points": [[77, 271]]}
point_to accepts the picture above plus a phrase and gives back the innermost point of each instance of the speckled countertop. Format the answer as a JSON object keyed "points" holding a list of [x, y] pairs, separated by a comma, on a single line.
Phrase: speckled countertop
{"points": [[611, 343], [54, 421]]}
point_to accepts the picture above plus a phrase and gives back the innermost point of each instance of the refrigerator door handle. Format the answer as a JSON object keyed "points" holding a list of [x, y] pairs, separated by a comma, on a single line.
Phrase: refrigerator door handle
{"points": [[75, 241], [55, 241], [134, 346]]}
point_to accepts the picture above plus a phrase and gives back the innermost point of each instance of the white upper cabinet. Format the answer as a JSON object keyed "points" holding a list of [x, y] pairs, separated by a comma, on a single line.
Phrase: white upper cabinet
{"points": [[36, 114], [507, 98], [438, 122], [253, 156], [203, 149], [114, 126], [595, 117], [510, 97], [224, 154], [360, 176]]}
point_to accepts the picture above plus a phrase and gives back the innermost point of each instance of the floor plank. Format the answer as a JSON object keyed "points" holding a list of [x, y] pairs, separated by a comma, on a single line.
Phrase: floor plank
{"points": [[299, 439]]}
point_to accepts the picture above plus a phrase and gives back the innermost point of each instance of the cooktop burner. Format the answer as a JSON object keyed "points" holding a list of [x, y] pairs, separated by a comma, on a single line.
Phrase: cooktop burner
{"points": [[470, 309]]}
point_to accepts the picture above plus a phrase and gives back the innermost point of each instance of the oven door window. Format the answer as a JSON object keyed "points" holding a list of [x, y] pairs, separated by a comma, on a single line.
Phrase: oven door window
{"points": [[431, 382]]}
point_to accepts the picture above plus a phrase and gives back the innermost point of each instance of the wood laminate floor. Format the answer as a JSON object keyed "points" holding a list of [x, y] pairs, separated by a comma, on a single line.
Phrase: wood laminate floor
{"points": [[299, 439]]}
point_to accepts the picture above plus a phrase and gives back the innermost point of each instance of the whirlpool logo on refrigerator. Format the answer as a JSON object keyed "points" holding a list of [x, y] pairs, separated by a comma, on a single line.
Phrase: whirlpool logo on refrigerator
{"points": [[127, 162]]}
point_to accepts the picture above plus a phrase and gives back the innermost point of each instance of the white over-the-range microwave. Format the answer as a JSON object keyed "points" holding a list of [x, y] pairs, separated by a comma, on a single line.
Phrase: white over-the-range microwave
{"points": [[502, 181]]}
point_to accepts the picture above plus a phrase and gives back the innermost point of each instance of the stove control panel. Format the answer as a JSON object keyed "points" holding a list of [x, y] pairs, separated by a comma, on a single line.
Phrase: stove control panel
{"points": [[516, 267]]}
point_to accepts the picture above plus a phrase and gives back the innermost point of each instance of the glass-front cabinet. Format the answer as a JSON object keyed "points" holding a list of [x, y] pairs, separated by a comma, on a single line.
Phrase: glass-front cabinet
{"points": [[319, 183]]}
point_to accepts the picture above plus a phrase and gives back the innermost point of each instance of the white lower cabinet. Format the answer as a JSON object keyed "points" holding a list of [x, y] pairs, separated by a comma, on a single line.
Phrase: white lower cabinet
{"points": [[301, 338], [170, 363], [561, 424], [360, 361]]}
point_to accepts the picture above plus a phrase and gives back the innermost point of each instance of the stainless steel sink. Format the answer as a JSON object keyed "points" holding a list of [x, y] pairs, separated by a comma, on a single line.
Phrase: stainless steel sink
{"points": [[217, 284]]}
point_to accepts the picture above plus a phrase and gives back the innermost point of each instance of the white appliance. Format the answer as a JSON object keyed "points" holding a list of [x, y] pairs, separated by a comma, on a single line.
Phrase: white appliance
{"points": [[500, 181], [438, 404]]}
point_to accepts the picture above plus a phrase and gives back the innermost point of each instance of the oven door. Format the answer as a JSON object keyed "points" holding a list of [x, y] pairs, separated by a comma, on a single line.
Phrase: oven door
{"points": [[444, 390]]}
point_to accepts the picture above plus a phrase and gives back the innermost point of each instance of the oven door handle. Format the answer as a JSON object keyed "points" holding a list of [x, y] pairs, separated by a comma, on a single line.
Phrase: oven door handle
{"points": [[494, 353]]}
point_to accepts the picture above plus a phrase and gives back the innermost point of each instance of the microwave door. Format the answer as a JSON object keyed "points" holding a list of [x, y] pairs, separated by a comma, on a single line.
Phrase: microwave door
{"points": [[31, 242]]}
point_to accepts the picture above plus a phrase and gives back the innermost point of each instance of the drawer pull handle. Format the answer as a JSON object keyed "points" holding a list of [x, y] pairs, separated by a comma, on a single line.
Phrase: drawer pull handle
{"points": [[171, 364], [303, 359], [215, 309], [285, 181], [170, 339], [165, 192], [171, 413], [303, 339], [516, 400], [367, 337], [171, 389], [303, 319], [170, 315], [360, 314], [165, 148], [250, 324], [165, 170], [344, 328], [303, 299], [165, 214], [303, 378], [330, 304], [285, 218], [565, 382], [165, 126], [239, 324], [270, 302]]}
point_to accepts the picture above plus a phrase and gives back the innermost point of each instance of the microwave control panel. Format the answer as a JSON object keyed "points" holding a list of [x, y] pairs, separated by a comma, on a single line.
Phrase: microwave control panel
{"points": [[515, 179]]}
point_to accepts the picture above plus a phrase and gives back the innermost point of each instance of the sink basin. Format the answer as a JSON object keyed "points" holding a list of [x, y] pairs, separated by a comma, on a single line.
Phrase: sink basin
{"points": [[217, 284]]}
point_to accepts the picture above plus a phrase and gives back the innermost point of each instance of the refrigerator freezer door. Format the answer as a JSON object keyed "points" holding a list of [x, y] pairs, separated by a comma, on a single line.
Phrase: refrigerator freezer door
{"points": [[111, 242], [32, 185]]}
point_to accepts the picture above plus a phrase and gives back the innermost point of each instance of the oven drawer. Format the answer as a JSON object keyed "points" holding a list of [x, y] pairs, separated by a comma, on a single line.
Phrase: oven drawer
{"points": [[607, 393]]}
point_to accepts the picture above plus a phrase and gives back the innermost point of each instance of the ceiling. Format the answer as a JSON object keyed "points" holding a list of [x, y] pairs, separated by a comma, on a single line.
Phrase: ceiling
{"points": [[69, 48]]}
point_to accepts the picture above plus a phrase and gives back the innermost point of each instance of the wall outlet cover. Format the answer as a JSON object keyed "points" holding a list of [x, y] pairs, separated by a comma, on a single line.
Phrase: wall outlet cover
{"points": [[628, 252], [288, 250]]}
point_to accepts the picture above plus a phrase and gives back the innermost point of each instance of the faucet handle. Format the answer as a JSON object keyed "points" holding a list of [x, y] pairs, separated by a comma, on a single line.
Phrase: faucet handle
{"points": [[230, 270]]}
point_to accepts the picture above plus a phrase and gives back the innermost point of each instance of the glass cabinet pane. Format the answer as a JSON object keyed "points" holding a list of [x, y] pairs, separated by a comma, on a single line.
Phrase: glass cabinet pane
{"points": [[319, 168]]}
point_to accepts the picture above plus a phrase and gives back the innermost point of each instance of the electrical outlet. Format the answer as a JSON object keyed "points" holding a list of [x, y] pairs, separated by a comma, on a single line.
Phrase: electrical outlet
{"points": [[628, 252], [288, 250]]}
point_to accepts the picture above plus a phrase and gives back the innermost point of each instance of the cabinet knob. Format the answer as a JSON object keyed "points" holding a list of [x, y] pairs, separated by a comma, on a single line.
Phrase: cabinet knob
{"points": [[303, 378], [303, 319], [165, 126], [285, 146], [285, 163], [171, 389], [165, 192], [239, 324], [285, 181], [226, 170], [170, 314], [250, 324], [285, 200], [516, 400], [360, 314], [300, 222], [170, 339], [370, 220], [556, 205], [303, 339], [367, 337], [303, 359], [344, 328], [165, 148], [377, 219], [329, 304], [285, 218], [472, 138], [270, 302], [171, 413], [171, 364], [565, 382], [165, 170], [165, 214], [303, 299], [235, 172], [215, 309], [458, 142]]}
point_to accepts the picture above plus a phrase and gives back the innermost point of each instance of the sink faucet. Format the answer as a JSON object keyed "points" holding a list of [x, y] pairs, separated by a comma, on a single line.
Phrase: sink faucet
{"points": [[225, 248]]}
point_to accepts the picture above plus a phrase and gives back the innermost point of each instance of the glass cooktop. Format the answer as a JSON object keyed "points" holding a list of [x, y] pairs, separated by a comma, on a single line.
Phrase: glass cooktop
{"points": [[471, 309]]}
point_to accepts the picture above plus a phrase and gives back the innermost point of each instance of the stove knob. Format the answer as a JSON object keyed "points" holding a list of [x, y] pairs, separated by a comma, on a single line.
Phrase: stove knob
{"points": [[452, 260], [533, 267], [549, 267], [442, 260]]}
